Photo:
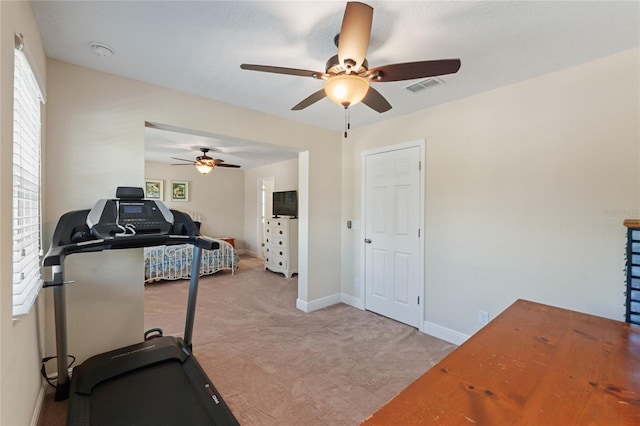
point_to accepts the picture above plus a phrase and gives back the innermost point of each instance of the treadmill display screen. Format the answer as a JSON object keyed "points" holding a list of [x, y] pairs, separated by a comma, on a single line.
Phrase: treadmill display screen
{"points": [[117, 218], [133, 210]]}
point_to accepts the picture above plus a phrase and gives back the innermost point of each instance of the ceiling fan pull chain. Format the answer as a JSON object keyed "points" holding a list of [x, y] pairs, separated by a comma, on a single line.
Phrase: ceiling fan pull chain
{"points": [[346, 120]]}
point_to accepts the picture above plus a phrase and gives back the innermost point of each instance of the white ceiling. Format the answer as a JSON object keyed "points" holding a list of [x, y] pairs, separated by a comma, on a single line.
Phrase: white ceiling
{"points": [[197, 47]]}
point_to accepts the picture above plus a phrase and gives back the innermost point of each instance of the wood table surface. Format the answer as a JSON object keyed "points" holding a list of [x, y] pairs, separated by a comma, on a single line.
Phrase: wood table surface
{"points": [[532, 365]]}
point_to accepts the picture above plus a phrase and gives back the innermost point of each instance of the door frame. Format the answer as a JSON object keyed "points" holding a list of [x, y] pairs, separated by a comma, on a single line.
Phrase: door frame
{"points": [[260, 224], [421, 144]]}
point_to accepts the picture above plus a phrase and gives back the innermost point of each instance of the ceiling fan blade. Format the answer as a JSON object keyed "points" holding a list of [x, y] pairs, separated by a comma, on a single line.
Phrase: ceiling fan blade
{"points": [[183, 164], [219, 162], [376, 101], [355, 33], [310, 100], [182, 159], [282, 70], [413, 70]]}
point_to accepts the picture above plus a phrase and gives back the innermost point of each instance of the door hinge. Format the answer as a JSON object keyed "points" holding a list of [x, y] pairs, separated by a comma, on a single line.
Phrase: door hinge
{"points": [[419, 165], [418, 232], [418, 300]]}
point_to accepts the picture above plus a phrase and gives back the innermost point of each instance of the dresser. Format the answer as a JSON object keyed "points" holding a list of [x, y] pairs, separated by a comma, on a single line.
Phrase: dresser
{"points": [[281, 246]]}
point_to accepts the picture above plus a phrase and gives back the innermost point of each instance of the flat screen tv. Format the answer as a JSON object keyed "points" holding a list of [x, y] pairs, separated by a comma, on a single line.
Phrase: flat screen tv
{"points": [[285, 203]]}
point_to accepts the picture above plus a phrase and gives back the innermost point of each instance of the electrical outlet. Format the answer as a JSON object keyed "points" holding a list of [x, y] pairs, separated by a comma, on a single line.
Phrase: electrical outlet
{"points": [[356, 283], [483, 317]]}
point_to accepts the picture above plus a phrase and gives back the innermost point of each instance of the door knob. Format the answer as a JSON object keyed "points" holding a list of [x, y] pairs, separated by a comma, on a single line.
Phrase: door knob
{"points": [[367, 240]]}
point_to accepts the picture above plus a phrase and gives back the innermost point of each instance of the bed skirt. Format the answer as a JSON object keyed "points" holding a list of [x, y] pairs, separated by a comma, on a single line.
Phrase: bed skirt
{"points": [[174, 262]]}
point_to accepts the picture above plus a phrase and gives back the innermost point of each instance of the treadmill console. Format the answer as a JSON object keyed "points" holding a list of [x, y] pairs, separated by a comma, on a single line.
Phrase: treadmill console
{"points": [[129, 215]]}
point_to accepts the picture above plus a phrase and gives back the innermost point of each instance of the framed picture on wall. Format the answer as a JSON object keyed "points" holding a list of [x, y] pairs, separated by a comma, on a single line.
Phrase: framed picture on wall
{"points": [[154, 189], [179, 190]]}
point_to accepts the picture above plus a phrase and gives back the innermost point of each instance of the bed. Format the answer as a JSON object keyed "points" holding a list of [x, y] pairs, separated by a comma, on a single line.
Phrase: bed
{"points": [[174, 262]]}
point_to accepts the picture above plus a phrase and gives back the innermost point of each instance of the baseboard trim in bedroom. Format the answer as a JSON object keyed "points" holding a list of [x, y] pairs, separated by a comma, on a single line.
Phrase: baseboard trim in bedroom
{"points": [[444, 333], [314, 305], [37, 410], [350, 300]]}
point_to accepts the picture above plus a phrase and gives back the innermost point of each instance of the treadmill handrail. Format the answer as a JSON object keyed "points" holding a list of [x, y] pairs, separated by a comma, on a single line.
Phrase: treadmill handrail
{"points": [[76, 220], [56, 254]]}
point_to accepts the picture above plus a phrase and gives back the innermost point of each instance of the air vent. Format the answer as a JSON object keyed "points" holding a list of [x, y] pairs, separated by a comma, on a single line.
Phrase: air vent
{"points": [[424, 84]]}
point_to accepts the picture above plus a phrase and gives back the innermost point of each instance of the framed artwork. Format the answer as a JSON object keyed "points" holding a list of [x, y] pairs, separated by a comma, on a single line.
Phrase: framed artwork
{"points": [[179, 190], [154, 189]]}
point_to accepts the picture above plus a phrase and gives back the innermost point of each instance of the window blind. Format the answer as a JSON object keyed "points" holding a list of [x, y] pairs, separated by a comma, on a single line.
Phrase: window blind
{"points": [[26, 186]]}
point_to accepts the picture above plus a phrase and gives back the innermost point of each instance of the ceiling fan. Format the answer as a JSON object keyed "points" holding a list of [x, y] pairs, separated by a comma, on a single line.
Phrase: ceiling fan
{"points": [[347, 74], [204, 163]]}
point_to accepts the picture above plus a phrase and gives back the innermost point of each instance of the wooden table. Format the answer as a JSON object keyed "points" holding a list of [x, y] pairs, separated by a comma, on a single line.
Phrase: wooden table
{"points": [[532, 365]]}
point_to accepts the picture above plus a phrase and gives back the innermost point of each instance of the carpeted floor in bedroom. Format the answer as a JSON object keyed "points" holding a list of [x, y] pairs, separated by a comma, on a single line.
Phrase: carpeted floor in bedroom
{"points": [[276, 365]]}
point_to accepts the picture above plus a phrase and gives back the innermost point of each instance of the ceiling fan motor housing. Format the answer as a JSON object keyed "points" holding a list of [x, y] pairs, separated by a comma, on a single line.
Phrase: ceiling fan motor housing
{"points": [[333, 67]]}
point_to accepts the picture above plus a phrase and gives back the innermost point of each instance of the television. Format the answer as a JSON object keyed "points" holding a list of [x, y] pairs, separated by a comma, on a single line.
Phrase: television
{"points": [[285, 203]]}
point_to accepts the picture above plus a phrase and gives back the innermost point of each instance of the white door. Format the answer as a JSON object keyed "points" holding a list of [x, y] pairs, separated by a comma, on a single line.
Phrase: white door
{"points": [[393, 261], [265, 208]]}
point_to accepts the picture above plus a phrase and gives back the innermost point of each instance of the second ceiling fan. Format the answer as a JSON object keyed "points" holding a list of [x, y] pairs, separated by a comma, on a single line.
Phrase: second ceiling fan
{"points": [[204, 163], [347, 74]]}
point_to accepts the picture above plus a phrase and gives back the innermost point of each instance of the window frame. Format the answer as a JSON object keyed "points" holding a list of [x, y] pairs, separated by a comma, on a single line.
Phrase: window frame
{"points": [[26, 184]]}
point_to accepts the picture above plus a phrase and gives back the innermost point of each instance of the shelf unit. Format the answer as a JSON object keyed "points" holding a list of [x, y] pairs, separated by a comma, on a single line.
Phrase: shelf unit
{"points": [[632, 312]]}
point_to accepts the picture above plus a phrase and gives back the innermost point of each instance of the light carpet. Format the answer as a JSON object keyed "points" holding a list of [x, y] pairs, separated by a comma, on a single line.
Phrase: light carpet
{"points": [[276, 365]]}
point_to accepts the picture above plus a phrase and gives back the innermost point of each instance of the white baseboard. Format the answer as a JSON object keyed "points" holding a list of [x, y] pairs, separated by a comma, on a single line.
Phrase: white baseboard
{"points": [[314, 305], [444, 333], [37, 410], [429, 328], [350, 300]]}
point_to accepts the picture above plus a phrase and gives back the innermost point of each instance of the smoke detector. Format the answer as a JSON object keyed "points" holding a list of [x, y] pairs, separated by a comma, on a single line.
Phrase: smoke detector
{"points": [[101, 49]]}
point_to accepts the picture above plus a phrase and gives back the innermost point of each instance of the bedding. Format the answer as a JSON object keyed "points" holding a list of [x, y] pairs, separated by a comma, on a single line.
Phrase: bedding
{"points": [[174, 262]]}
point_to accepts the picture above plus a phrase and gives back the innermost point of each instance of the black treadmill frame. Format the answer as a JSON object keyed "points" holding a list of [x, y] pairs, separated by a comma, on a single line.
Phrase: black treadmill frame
{"points": [[72, 235]]}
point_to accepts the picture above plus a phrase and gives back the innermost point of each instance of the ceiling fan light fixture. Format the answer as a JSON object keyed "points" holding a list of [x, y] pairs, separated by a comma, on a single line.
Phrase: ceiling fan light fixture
{"points": [[204, 167], [346, 89]]}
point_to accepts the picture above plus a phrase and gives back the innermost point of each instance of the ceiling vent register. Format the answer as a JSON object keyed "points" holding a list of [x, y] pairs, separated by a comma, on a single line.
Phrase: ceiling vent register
{"points": [[424, 84]]}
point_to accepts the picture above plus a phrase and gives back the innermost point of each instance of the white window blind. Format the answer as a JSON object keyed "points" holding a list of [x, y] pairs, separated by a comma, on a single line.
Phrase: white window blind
{"points": [[26, 186]]}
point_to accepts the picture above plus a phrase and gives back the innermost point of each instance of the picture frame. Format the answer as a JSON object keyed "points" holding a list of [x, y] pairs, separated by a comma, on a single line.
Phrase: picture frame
{"points": [[154, 189], [179, 190]]}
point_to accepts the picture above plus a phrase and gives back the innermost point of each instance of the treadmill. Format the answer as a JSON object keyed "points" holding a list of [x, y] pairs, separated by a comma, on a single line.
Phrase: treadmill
{"points": [[155, 382]]}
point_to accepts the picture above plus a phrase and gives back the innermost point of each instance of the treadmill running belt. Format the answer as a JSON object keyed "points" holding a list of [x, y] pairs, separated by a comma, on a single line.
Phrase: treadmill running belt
{"points": [[161, 394]]}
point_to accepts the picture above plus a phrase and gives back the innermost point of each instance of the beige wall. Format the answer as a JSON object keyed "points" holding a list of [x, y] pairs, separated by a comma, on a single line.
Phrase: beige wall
{"points": [[217, 196], [96, 142], [526, 190], [19, 341], [285, 176]]}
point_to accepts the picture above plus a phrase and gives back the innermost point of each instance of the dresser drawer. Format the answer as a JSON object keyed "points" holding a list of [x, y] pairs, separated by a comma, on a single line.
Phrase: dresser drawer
{"points": [[276, 223], [276, 242], [276, 262], [277, 231], [276, 251]]}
